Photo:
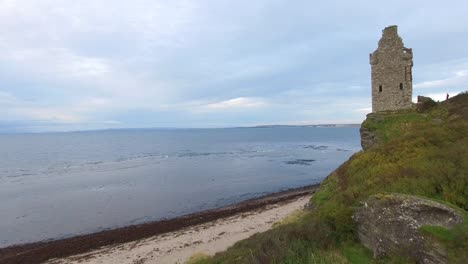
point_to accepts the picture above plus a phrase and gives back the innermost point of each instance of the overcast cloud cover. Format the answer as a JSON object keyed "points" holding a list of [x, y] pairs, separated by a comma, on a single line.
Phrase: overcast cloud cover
{"points": [[91, 64]]}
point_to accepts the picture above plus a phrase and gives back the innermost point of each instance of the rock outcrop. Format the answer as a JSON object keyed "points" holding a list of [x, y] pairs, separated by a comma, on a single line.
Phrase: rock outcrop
{"points": [[369, 138], [389, 224]]}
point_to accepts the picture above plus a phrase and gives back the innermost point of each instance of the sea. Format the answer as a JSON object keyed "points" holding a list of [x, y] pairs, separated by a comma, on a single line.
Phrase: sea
{"points": [[56, 185]]}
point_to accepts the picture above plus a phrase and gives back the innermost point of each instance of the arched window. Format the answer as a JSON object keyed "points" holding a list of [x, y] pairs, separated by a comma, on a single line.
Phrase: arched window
{"points": [[401, 86], [380, 88]]}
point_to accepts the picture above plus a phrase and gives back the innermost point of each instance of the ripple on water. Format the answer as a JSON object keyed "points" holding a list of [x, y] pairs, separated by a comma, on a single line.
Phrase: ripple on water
{"points": [[306, 162]]}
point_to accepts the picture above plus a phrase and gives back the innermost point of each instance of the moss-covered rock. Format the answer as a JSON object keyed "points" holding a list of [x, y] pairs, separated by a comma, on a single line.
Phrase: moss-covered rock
{"points": [[369, 138], [389, 224]]}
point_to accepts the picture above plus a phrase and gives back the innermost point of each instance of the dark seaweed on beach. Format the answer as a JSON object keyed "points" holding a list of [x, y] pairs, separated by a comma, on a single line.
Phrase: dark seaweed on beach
{"points": [[40, 252]]}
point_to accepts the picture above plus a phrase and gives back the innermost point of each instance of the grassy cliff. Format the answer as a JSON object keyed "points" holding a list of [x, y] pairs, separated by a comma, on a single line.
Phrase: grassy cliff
{"points": [[422, 153]]}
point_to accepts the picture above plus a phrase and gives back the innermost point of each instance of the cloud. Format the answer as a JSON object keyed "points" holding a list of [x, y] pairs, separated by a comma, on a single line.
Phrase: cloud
{"points": [[237, 103], [458, 78], [363, 110], [15, 109], [7, 98], [48, 114], [57, 63], [186, 63]]}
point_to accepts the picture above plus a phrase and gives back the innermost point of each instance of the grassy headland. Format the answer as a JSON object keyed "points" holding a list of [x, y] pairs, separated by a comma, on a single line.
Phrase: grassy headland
{"points": [[422, 153]]}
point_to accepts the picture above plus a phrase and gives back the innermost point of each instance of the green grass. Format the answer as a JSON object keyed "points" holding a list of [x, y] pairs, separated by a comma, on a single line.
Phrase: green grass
{"points": [[389, 126], [357, 254], [455, 240], [424, 154], [311, 256], [197, 258], [438, 232], [290, 219]]}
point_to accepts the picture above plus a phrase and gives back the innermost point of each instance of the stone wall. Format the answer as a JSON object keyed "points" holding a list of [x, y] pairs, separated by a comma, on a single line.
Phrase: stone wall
{"points": [[392, 81]]}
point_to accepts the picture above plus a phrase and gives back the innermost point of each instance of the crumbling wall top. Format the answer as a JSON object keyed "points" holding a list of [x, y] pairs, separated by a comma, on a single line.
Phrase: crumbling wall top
{"points": [[390, 39]]}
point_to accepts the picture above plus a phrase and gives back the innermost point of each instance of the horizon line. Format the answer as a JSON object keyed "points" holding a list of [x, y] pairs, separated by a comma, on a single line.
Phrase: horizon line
{"points": [[330, 125]]}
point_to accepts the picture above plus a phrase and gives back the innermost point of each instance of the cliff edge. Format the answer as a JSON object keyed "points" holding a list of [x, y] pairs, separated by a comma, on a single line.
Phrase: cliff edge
{"points": [[374, 208]]}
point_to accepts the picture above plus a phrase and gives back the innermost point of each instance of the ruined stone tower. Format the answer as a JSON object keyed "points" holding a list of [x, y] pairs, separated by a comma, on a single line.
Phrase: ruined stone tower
{"points": [[392, 80]]}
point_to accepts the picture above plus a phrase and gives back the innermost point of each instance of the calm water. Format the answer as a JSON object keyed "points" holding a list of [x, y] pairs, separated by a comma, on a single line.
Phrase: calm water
{"points": [[61, 184]]}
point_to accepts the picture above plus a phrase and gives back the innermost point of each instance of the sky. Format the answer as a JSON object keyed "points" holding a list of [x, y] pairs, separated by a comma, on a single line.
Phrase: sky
{"points": [[97, 64]]}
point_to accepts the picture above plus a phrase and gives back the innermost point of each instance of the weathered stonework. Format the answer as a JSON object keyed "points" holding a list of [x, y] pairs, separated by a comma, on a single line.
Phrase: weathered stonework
{"points": [[392, 80]]}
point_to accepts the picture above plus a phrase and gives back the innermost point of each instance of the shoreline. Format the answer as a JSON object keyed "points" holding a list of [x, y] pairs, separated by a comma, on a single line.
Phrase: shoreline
{"points": [[195, 241], [42, 251]]}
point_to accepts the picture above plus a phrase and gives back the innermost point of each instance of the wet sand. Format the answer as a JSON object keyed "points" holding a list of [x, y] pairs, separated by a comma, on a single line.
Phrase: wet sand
{"points": [[167, 241]]}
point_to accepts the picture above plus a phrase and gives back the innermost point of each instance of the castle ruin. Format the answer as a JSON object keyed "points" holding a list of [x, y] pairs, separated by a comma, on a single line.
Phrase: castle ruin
{"points": [[392, 80]]}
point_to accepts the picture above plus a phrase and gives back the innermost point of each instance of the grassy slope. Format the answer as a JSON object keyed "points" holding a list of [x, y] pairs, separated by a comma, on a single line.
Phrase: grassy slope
{"points": [[422, 154]]}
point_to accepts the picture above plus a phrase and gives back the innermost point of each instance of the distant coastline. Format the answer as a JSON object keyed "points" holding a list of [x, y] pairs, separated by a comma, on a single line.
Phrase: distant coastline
{"points": [[321, 125], [10, 131]]}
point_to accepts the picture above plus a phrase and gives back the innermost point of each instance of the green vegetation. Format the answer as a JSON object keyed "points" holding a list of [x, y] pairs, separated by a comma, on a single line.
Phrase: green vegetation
{"points": [[197, 258], [357, 254], [420, 153], [438, 232], [292, 218], [455, 240]]}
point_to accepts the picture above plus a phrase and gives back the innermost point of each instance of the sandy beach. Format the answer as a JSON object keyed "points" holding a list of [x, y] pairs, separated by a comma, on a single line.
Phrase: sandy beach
{"points": [[167, 241], [207, 238]]}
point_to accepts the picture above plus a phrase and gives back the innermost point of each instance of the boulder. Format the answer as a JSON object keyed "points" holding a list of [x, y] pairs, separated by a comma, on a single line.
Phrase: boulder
{"points": [[389, 224]]}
